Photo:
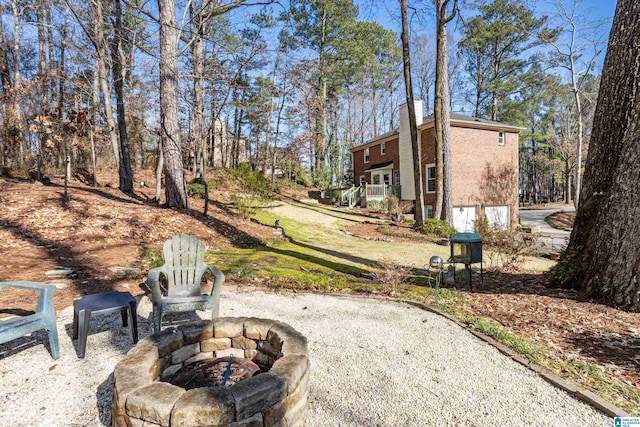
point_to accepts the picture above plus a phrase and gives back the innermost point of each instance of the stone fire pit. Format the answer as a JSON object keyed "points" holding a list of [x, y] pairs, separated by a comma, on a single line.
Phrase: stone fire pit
{"points": [[275, 395]]}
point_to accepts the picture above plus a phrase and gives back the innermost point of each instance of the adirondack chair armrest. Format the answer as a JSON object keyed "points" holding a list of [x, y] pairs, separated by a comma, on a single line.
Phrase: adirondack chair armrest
{"points": [[153, 282], [218, 280], [45, 297], [218, 277]]}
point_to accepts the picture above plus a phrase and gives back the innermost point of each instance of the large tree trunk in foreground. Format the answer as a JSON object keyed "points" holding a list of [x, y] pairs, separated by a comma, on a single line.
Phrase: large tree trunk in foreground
{"points": [[603, 257], [175, 185]]}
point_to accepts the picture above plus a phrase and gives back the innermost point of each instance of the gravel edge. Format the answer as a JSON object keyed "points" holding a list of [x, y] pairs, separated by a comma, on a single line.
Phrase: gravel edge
{"points": [[581, 394]]}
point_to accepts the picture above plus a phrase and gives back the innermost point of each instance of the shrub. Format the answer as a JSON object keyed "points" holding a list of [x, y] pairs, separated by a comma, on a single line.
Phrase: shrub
{"points": [[251, 181], [243, 204], [565, 272], [391, 275], [394, 210], [437, 227], [303, 178], [508, 248], [195, 188]]}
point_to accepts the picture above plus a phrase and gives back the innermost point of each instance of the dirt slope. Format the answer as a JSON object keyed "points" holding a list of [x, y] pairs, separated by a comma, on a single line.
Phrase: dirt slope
{"points": [[97, 229]]}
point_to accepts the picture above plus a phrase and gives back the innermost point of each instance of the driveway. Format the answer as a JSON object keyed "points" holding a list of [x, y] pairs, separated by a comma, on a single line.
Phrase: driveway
{"points": [[551, 238]]}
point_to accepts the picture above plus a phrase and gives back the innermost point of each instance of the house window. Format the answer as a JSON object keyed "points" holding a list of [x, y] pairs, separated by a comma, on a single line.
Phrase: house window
{"points": [[500, 138], [431, 178], [361, 179], [386, 178], [376, 179], [428, 211], [383, 148], [396, 177], [366, 155]]}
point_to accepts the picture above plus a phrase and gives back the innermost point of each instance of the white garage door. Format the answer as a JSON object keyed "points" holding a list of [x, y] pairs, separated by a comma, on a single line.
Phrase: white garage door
{"points": [[497, 216], [464, 218]]}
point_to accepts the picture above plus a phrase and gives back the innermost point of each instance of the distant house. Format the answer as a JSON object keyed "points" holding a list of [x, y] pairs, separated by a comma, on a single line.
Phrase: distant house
{"points": [[484, 168], [224, 150]]}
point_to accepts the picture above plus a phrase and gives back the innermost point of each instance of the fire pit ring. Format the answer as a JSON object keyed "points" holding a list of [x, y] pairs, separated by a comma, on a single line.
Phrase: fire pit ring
{"points": [[275, 395]]}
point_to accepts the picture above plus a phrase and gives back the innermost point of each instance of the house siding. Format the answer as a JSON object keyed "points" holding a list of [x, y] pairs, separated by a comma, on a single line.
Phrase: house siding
{"points": [[485, 173], [391, 155], [472, 151]]}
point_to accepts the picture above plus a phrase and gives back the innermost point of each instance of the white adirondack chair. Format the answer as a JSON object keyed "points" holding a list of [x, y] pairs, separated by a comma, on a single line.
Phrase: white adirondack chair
{"points": [[183, 268]]}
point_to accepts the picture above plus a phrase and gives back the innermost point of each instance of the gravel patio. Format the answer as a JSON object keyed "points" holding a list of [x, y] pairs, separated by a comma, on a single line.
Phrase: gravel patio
{"points": [[373, 363]]}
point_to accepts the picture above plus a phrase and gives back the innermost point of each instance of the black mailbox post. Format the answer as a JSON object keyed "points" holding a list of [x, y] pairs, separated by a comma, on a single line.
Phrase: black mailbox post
{"points": [[466, 248]]}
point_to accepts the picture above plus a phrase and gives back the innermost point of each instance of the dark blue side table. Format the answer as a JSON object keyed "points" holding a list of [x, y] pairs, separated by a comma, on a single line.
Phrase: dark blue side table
{"points": [[99, 304]]}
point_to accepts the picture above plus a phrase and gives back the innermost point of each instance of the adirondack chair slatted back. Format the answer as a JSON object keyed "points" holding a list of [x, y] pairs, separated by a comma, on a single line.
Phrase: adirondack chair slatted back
{"points": [[184, 265], [183, 268]]}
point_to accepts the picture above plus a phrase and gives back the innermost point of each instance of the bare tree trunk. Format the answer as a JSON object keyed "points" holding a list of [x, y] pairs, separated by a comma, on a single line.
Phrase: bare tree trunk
{"points": [[6, 143], [159, 169], [198, 92], [43, 90], [124, 165], [321, 116], [175, 185], [576, 95], [413, 128], [101, 54], [441, 114], [603, 256], [19, 139], [271, 108]]}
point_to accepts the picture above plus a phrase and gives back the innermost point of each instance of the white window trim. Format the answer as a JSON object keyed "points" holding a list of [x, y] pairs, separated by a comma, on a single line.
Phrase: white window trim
{"points": [[502, 140], [366, 155], [362, 180], [383, 149], [426, 177], [427, 209]]}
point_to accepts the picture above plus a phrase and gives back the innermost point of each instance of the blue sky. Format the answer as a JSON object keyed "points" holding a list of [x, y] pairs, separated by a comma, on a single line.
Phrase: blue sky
{"points": [[386, 12]]}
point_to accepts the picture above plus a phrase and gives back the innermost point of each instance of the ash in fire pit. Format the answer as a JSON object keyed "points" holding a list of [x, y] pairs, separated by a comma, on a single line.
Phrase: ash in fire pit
{"points": [[177, 377], [223, 371]]}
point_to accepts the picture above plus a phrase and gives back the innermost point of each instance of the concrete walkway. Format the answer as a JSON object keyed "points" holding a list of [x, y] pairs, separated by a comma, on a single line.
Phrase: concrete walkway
{"points": [[551, 238]]}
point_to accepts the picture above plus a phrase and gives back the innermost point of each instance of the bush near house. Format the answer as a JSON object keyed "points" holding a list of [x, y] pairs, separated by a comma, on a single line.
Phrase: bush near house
{"points": [[437, 227]]}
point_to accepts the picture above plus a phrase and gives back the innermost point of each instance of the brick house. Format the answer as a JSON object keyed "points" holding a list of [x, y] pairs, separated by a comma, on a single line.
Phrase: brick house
{"points": [[484, 167]]}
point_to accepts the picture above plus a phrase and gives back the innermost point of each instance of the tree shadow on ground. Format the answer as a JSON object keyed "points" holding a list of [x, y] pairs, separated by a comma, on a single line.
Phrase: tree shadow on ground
{"points": [[326, 211], [496, 282], [107, 194], [82, 271], [618, 348], [335, 254]]}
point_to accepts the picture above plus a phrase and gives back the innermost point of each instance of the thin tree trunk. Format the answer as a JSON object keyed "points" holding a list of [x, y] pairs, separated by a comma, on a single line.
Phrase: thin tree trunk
{"points": [[43, 90], [413, 128], [272, 97], [101, 54], [197, 48], [124, 169], [576, 95], [19, 139], [444, 176], [321, 116], [159, 169], [6, 143]]}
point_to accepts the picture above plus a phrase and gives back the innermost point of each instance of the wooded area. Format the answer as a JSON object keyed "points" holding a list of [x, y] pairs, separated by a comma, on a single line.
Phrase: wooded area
{"points": [[284, 86]]}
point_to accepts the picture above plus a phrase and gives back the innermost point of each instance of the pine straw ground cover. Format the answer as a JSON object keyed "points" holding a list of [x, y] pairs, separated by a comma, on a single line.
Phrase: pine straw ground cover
{"points": [[596, 346]]}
